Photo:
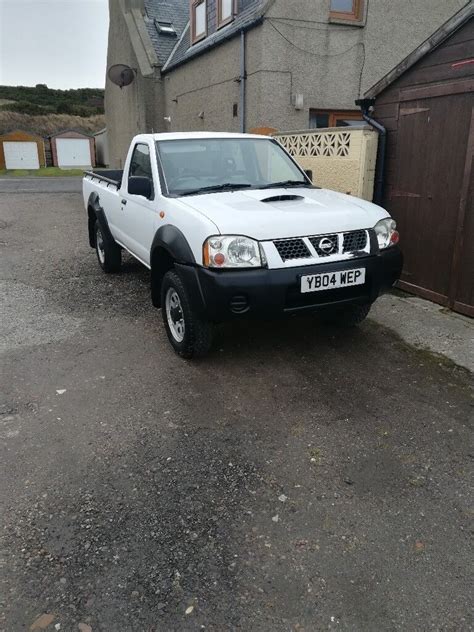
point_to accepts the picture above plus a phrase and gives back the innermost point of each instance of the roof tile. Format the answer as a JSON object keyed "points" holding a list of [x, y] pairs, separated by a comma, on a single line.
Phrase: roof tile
{"points": [[174, 11], [174, 51]]}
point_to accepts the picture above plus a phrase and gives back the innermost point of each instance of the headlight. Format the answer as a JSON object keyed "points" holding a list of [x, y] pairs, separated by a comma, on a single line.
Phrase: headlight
{"points": [[232, 251], [387, 234]]}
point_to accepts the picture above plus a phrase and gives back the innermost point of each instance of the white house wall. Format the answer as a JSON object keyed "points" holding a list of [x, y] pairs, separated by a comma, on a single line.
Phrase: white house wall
{"points": [[331, 65], [334, 64], [204, 87]]}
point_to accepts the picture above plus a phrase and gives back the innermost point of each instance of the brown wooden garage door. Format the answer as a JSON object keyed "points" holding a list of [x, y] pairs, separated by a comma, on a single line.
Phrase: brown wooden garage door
{"points": [[432, 199]]}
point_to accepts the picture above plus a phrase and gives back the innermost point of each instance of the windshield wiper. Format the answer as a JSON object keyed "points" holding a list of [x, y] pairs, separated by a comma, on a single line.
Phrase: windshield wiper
{"points": [[217, 187], [286, 183]]}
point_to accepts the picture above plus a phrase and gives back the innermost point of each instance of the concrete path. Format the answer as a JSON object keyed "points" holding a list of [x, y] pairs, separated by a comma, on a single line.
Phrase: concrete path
{"points": [[428, 326], [45, 184]]}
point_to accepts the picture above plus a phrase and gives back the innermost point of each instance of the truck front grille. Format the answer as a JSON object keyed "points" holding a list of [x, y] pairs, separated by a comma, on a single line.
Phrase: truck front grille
{"points": [[290, 249], [353, 242], [323, 246]]}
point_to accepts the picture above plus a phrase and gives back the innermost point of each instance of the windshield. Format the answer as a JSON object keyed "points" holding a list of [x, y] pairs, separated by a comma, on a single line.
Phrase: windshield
{"points": [[192, 166]]}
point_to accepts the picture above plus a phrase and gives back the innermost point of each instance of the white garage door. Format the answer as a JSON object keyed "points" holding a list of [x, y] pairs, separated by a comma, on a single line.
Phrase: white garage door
{"points": [[73, 152], [21, 155]]}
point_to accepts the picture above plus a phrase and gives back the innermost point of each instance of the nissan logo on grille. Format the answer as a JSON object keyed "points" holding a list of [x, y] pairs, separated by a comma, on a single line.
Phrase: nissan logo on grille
{"points": [[327, 246]]}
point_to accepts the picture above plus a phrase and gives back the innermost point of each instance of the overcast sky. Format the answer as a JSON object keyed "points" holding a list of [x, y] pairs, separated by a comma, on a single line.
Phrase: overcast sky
{"points": [[62, 43]]}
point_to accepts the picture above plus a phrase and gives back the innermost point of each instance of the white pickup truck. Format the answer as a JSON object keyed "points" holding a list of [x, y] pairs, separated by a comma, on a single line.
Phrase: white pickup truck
{"points": [[231, 227]]}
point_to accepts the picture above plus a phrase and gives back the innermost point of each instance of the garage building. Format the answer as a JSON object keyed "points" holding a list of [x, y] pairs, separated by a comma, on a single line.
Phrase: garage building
{"points": [[73, 150], [21, 150], [426, 105]]}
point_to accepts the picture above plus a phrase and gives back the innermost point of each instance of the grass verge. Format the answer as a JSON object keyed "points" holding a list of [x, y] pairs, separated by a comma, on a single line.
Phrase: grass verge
{"points": [[40, 173]]}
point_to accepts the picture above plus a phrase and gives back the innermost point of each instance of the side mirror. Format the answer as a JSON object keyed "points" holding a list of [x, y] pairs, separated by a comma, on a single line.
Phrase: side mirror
{"points": [[139, 185], [309, 173]]}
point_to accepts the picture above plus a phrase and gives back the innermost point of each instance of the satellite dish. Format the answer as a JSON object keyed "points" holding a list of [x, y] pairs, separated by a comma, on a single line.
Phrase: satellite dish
{"points": [[121, 75]]}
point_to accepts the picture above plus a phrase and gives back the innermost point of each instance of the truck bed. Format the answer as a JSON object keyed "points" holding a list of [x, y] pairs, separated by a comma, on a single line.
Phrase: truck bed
{"points": [[109, 176]]}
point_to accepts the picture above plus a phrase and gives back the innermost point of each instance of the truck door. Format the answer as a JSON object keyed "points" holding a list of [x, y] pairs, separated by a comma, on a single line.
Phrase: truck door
{"points": [[137, 215]]}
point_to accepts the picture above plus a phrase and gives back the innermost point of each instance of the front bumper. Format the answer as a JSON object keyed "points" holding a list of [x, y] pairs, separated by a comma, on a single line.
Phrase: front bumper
{"points": [[224, 295]]}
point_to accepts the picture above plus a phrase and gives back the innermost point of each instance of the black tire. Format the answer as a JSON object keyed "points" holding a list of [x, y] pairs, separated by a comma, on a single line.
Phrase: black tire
{"points": [[196, 332], [109, 254], [349, 316]]}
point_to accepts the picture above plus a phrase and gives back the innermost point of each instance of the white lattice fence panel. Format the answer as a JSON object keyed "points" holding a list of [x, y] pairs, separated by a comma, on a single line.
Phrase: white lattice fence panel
{"points": [[327, 144]]}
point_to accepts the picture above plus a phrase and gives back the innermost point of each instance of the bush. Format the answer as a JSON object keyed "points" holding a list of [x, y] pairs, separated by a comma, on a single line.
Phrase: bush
{"points": [[83, 102], [24, 107], [64, 108], [50, 124]]}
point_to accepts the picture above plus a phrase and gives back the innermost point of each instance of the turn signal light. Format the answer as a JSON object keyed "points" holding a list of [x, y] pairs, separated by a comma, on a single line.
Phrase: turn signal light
{"points": [[205, 254], [217, 260]]}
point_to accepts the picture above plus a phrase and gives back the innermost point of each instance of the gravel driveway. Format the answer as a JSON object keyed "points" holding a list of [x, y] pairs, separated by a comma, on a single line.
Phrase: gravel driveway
{"points": [[298, 479]]}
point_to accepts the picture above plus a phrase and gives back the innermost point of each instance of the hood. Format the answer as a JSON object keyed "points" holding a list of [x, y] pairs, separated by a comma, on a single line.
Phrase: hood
{"points": [[280, 213]]}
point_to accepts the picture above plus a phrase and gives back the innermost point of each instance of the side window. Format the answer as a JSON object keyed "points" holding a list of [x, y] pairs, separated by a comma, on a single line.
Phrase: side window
{"points": [[140, 165]]}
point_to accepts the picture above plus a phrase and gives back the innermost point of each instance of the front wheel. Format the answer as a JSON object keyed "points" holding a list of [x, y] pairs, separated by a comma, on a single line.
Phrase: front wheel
{"points": [[349, 316], [189, 334]]}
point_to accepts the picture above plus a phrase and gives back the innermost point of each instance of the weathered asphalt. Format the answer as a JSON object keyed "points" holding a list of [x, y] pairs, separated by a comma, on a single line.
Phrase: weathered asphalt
{"points": [[44, 184], [300, 478]]}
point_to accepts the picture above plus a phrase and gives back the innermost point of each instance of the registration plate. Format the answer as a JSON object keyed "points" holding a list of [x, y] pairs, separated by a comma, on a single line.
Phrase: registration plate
{"points": [[332, 280]]}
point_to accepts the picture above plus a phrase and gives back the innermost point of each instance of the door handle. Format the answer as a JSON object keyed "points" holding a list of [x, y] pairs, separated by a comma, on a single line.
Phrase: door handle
{"points": [[124, 202]]}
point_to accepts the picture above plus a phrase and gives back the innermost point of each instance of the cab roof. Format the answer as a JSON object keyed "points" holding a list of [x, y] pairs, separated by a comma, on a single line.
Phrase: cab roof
{"points": [[197, 136]]}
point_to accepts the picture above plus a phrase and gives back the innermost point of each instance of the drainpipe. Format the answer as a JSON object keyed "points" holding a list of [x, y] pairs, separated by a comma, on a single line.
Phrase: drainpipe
{"points": [[365, 106], [243, 81]]}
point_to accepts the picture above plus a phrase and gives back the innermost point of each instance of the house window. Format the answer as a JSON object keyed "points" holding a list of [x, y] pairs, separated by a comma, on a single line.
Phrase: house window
{"points": [[198, 20], [165, 28], [346, 9], [327, 118], [226, 10]]}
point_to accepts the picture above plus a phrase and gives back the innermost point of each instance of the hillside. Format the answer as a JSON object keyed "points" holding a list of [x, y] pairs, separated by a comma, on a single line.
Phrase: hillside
{"points": [[42, 100], [51, 124]]}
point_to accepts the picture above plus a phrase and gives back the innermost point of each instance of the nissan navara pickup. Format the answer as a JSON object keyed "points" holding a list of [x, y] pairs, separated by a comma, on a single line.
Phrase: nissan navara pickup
{"points": [[232, 227]]}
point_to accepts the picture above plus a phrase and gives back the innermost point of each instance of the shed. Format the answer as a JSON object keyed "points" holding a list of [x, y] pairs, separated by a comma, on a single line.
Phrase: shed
{"points": [[21, 150], [427, 106], [72, 150], [102, 148]]}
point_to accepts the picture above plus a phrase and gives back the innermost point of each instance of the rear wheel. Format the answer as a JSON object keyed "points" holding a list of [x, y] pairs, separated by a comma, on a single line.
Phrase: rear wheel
{"points": [[189, 334], [349, 316], [109, 254]]}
